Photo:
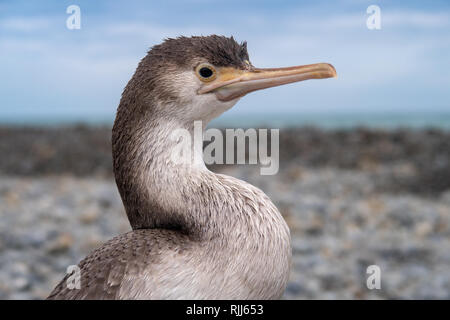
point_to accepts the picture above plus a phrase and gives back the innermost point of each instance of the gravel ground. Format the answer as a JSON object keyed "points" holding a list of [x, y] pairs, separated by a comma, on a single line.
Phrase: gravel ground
{"points": [[352, 199]]}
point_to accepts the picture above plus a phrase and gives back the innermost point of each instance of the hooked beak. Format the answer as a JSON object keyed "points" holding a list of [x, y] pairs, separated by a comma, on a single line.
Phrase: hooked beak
{"points": [[234, 83]]}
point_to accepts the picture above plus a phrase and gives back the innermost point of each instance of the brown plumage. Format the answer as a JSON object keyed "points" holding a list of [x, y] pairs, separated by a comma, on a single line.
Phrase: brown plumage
{"points": [[196, 234], [217, 50]]}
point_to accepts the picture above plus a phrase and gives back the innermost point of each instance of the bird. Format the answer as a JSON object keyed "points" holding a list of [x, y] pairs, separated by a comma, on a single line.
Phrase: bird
{"points": [[195, 234]]}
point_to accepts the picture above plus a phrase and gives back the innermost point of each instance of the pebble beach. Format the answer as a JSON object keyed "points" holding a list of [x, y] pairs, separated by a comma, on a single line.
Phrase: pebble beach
{"points": [[352, 198]]}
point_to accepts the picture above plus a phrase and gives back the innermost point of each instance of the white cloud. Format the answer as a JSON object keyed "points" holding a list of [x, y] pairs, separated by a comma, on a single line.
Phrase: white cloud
{"points": [[25, 24], [154, 31], [416, 19]]}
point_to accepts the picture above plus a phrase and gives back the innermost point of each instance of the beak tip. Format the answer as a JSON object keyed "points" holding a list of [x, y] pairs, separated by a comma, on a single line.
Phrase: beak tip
{"points": [[333, 70]]}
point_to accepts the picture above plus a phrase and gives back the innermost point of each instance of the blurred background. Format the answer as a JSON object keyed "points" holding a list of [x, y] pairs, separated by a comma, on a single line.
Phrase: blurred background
{"points": [[364, 159]]}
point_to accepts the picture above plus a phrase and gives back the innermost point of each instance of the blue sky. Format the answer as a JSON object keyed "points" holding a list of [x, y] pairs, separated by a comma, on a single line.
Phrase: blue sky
{"points": [[47, 70]]}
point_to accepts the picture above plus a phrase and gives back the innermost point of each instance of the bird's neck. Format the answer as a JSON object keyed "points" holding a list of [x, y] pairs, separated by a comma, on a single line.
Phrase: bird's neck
{"points": [[229, 218], [160, 173]]}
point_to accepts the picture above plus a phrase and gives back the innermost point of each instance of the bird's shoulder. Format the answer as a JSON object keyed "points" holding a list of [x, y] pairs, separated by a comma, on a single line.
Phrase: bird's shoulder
{"points": [[103, 271]]}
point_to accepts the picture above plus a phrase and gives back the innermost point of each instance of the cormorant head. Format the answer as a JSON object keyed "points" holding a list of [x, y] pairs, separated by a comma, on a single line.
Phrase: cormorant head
{"points": [[198, 78]]}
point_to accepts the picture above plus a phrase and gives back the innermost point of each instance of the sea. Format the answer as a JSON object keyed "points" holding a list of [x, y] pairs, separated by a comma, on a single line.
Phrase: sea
{"points": [[323, 120]]}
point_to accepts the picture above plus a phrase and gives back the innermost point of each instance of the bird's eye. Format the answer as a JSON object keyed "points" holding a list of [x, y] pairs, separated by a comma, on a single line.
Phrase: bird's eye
{"points": [[206, 72]]}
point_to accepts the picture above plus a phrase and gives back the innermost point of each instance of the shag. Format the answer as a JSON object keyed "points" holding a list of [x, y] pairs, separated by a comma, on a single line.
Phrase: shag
{"points": [[195, 234]]}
